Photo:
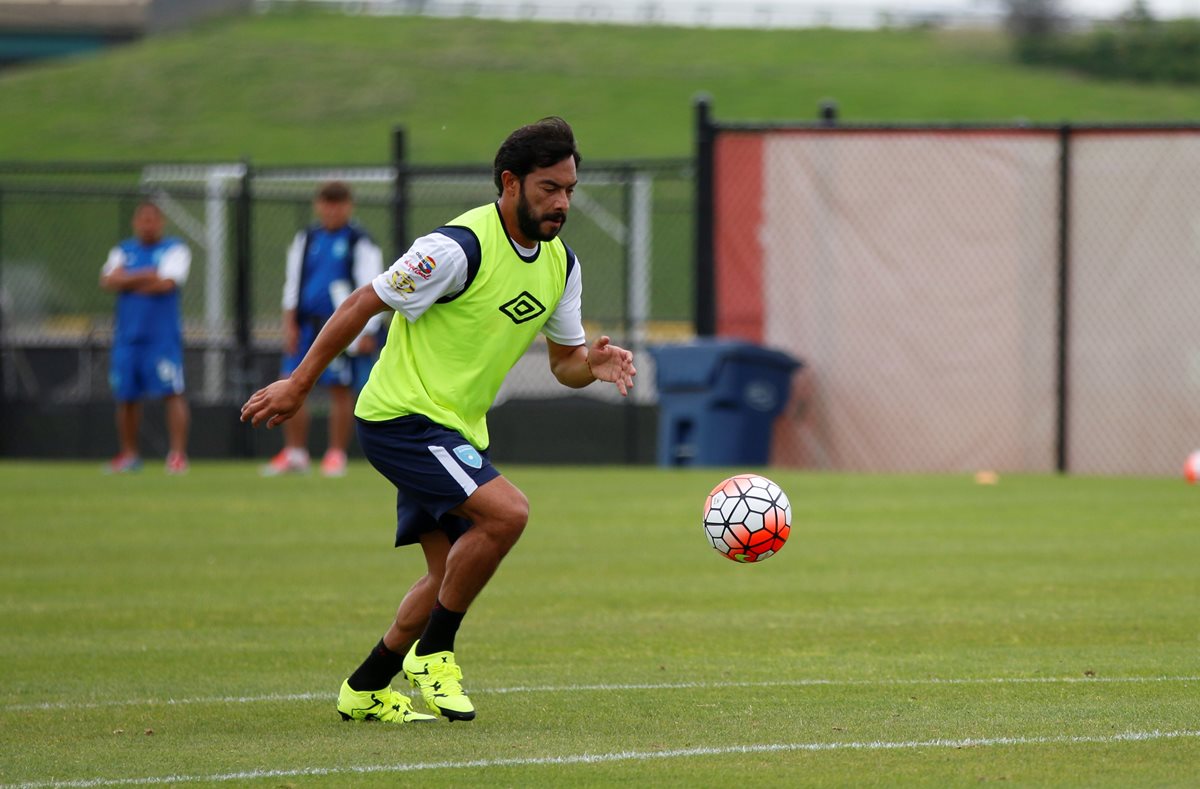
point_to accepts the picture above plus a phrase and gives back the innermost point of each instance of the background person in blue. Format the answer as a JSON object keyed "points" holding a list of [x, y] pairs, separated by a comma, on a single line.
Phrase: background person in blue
{"points": [[325, 264], [146, 272]]}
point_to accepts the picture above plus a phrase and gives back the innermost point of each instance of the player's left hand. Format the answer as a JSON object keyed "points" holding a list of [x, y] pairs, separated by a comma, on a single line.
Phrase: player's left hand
{"points": [[611, 363], [274, 404]]}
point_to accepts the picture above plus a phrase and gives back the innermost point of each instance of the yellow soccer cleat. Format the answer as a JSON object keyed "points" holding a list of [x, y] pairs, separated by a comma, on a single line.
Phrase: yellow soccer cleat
{"points": [[437, 677], [378, 705]]}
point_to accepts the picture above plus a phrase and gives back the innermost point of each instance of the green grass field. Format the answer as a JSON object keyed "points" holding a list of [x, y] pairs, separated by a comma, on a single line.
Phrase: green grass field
{"points": [[916, 631], [320, 88]]}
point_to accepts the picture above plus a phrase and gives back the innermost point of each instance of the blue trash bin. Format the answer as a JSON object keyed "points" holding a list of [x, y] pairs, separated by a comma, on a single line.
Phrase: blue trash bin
{"points": [[718, 400]]}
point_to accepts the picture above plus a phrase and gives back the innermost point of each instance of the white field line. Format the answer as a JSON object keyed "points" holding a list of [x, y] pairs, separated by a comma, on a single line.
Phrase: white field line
{"points": [[783, 683], [620, 756]]}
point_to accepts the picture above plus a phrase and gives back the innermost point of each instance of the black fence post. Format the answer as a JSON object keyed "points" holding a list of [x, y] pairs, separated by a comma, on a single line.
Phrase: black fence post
{"points": [[243, 300], [705, 318], [399, 194], [1062, 389], [828, 112]]}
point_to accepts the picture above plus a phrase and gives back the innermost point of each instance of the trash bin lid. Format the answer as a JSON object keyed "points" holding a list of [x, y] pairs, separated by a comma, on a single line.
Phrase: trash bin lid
{"points": [[695, 364]]}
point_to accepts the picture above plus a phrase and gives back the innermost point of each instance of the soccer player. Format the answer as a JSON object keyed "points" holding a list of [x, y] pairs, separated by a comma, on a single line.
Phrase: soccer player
{"points": [[325, 263], [468, 300], [146, 272]]}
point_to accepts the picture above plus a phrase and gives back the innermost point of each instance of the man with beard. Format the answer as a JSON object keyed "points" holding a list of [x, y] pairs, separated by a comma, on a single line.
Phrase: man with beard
{"points": [[469, 299]]}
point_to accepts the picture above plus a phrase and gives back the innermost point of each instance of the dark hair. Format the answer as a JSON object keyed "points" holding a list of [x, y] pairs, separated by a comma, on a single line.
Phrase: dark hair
{"points": [[540, 144], [334, 192]]}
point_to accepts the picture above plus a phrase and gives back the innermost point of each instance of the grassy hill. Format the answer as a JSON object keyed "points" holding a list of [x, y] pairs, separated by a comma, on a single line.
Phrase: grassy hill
{"points": [[308, 87]]}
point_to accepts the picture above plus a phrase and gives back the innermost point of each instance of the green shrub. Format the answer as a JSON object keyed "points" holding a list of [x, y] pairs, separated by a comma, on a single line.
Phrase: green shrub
{"points": [[1135, 48]]}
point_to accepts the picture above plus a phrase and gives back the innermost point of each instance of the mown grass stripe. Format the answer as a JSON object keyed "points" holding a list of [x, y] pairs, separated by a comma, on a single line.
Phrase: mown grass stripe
{"points": [[74, 705], [619, 756]]}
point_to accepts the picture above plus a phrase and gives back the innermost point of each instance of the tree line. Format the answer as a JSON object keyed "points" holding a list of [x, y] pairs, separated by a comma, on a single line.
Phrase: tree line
{"points": [[1134, 46]]}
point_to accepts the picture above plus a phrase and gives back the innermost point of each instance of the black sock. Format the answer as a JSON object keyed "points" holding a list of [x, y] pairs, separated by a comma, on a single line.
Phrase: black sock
{"points": [[377, 670], [439, 633]]}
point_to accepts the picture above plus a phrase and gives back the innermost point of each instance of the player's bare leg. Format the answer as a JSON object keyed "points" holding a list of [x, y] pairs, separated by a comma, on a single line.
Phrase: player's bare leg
{"points": [[341, 421], [413, 613], [178, 418], [295, 430], [341, 417], [498, 512], [129, 418], [357, 699], [293, 458]]}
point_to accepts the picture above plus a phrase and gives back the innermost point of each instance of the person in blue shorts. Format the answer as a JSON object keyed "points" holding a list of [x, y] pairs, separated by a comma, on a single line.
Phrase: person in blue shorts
{"points": [[146, 272], [465, 302], [325, 263]]}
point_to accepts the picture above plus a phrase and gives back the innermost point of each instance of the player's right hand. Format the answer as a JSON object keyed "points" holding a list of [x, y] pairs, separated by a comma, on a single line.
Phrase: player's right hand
{"points": [[274, 404]]}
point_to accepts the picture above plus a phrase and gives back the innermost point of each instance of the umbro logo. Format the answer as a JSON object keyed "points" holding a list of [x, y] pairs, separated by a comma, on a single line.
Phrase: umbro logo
{"points": [[523, 308]]}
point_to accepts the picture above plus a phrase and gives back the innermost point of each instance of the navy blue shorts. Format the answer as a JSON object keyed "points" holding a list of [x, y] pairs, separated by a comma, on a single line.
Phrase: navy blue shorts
{"points": [[344, 370], [433, 468], [145, 371]]}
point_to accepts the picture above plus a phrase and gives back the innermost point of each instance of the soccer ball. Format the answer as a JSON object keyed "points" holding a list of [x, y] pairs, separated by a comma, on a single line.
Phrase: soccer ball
{"points": [[1191, 467], [747, 518]]}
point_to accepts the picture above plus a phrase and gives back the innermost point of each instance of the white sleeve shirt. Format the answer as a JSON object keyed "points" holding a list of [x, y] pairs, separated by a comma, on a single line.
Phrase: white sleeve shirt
{"points": [[411, 286], [368, 264], [565, 325], [291, 277], [175, 263], [116, 260]]}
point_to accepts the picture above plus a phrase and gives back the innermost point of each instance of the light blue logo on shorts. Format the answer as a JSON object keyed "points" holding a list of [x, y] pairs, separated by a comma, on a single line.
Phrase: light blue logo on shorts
{"points": [[467, 454]]}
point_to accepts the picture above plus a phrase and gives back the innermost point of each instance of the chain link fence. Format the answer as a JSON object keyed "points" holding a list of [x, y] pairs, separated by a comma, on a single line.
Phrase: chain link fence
{"points": [[1132, 374], [630, 225], [1010, 299], [1014, 299]]}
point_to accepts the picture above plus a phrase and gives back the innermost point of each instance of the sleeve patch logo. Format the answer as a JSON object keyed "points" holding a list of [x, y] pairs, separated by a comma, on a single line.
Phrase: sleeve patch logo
{"points": [[402, 284], [423, 266], [523, 308]]}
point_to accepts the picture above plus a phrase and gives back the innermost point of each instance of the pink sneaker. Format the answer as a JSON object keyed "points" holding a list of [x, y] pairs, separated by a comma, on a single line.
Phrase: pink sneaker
{"points": [[177, 463], [124, 463], [288, 461], [334, 463]]}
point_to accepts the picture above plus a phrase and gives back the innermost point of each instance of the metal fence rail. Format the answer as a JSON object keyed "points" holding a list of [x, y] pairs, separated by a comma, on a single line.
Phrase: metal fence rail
{"points": [[763, 14], [964, 296], [630, 226]]}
